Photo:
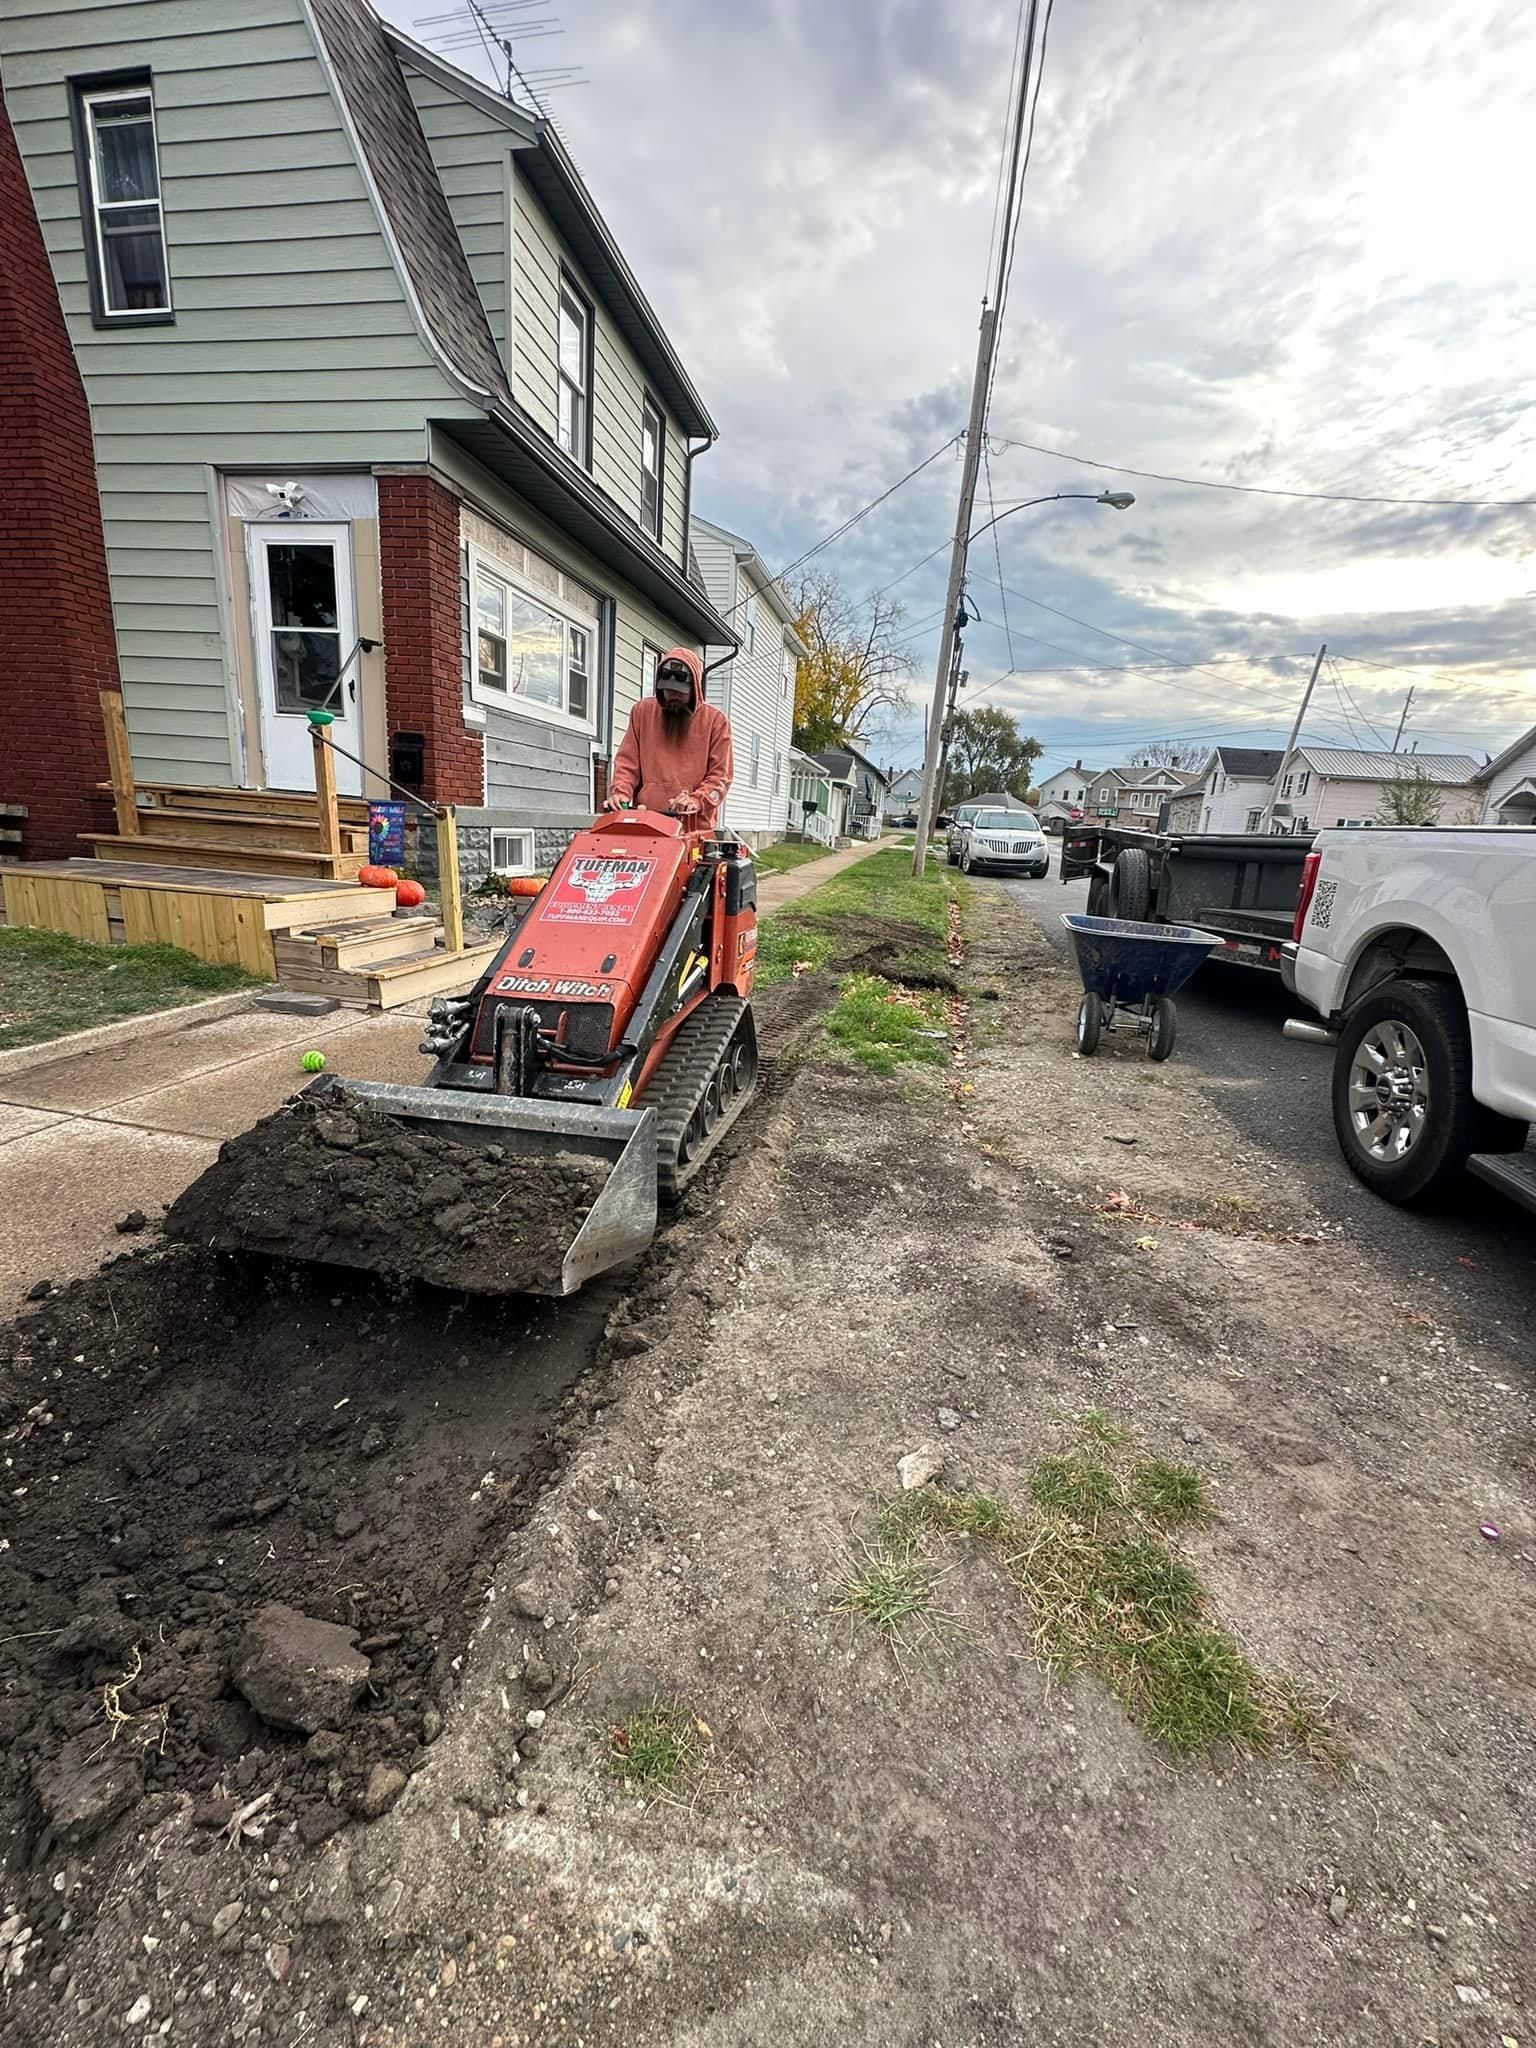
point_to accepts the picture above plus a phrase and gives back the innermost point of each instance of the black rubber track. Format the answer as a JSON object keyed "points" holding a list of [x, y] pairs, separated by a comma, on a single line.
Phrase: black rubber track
{"points": [[691, 1062]]}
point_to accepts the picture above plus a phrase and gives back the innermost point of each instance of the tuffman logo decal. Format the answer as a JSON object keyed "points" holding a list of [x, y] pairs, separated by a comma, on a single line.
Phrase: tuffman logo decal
{"points": [[599, 889]]}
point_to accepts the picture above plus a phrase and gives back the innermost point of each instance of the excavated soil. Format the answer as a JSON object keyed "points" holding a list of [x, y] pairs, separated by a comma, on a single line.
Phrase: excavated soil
{"points": [[188, 1437], [329, 1178]]}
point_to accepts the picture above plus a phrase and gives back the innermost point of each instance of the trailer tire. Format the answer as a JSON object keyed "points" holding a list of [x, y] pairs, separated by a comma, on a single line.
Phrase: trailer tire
{"points": [[1418, 1147], [1098, 894], [1130, 885]]}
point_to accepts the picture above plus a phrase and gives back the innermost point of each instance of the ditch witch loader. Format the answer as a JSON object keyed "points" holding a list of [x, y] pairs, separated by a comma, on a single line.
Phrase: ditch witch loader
{"points": [[609, 1045]]}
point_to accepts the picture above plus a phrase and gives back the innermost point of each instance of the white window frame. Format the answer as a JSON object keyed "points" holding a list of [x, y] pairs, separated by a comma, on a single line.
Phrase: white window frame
{"points": [[569, 298], [651, 412], [523, 863], [89, 102], [1255, 819], [483, 564], [1304, 782], [1286, 786]]}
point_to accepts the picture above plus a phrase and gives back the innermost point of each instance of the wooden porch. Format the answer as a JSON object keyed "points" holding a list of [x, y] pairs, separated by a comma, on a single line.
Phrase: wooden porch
{"points": [[260, 879]]}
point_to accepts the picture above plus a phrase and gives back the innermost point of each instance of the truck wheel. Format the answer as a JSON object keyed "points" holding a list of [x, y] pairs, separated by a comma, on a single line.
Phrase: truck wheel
{"points": [[1098, 894], [1130, 885], [1403, 1108], [1090, 1023]]}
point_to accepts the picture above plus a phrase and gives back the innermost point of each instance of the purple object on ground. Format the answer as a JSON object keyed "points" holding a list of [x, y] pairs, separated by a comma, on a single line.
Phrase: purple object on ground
{"points": [[1490, 1530]]}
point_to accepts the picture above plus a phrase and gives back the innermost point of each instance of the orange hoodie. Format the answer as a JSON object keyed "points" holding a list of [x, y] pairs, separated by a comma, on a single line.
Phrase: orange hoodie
{"points": [[653, 768]]}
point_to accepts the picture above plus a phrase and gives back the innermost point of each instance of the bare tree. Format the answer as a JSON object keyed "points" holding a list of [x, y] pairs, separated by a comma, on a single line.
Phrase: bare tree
{"points": [[854, 679], [1184, 754]]}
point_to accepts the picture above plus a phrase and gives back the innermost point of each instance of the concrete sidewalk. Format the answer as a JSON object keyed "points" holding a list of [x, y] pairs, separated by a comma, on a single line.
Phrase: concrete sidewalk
{"points": [[89, 1136], [774, 891]]}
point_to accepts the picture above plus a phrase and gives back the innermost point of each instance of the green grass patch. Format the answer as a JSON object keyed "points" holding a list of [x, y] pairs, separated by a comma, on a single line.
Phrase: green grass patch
{"points": [[884, 1027], [655, 1749], [788, 855], [1109, 1595], [880, 887], [51, 984], [890, 1589]]}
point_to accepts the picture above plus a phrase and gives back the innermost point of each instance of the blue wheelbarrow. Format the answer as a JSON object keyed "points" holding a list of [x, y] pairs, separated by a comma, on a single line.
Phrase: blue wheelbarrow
{"points": [[1130, 975]]}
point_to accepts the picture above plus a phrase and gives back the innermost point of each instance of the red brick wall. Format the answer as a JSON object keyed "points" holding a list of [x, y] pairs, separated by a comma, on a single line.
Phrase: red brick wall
{"points": [[57, 648], [423, 640]]}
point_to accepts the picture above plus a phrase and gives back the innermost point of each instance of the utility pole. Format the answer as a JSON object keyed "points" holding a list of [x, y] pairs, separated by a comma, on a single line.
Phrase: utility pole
{"points": [[929, 804], [1398, 737], [1290, 745]]}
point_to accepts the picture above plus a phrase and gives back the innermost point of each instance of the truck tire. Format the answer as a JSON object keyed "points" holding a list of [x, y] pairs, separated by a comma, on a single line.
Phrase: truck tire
{"points": [[1098, 894], [1403, 1108], [1130, 885]]}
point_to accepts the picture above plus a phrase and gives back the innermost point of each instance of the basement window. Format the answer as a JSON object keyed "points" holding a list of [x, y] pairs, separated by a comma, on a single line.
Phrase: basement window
{"points": [[512, 853], [118, 165]]}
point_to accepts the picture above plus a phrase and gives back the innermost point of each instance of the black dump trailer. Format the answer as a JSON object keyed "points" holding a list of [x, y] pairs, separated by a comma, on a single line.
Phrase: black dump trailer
{"points": [[1241, 885]]}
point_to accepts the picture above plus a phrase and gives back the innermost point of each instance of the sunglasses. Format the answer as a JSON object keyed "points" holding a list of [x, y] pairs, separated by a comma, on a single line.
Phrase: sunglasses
{"points": [[674, 675]]}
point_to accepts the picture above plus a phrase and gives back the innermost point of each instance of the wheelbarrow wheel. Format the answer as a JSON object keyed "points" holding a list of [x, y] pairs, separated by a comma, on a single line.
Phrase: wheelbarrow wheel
{"points": [[1160, 1038], [1090, 1023]]}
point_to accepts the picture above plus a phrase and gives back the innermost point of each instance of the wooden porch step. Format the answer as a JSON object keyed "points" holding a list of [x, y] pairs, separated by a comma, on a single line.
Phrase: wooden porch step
{"points": [[267, 803], [237, 828], [199, 853], [370, 944], [302, 965]]}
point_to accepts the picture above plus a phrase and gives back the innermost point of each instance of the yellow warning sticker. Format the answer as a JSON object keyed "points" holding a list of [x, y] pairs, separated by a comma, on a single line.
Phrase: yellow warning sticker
{"points": [[624, 1096]]}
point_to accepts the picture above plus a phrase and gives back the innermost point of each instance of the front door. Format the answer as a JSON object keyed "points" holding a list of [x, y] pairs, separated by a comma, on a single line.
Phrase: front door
{"points": [[306, 641]]}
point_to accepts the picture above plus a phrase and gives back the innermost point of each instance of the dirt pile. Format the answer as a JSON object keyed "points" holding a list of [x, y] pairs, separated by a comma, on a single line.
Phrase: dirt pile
{"points": [[215, 1470], [330, 1179]]}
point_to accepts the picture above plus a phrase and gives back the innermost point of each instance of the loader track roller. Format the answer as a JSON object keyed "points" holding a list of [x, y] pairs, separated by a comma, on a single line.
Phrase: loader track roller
{"points": [[700, 1088]]}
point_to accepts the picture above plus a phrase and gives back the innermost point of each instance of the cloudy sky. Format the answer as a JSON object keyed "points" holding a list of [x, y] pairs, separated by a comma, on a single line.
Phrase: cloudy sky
{"points": [[1284, 246]]}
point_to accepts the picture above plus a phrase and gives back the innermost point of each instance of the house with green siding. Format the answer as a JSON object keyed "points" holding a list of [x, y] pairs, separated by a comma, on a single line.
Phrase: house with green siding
{"points": [[383, 421]]}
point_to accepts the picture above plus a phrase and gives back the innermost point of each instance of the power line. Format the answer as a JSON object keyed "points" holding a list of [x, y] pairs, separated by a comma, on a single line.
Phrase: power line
{"points": [[1209, 483], [997, 548]]}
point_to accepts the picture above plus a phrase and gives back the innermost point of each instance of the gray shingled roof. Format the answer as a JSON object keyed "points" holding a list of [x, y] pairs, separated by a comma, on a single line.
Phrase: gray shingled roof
{"points": [[1360, 764], [1250, 762], [379, 103]]}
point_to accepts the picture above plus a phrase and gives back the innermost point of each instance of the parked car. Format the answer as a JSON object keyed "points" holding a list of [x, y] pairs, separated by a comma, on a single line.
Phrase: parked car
{"points": [[999, 839], [1414, 946]]}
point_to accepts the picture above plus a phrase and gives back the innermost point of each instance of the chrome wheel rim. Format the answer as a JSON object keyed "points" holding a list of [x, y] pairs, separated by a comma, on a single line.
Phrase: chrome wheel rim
{"points": [[1388, 1091]]}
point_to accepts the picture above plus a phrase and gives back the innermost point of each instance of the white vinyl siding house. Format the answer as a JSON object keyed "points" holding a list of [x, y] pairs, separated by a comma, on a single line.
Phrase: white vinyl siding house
{"points": [[1235, 787], [1509, 784], [755, 690]]}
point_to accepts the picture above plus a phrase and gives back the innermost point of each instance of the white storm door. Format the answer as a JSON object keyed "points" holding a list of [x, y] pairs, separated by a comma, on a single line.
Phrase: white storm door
{"points": [[304, 620]]}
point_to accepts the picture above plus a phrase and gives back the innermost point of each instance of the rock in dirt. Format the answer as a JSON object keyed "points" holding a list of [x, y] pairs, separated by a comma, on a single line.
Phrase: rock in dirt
{"points": [[384, 1786], [88, 1784], [949, 1418], [919, 1466], [505, 1230], [40, 1290], [131, 1224], [297, 1672]]}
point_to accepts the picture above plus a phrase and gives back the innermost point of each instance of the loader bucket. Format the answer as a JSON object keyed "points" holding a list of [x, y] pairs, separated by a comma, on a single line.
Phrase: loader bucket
{"points": [[569, 1191]]}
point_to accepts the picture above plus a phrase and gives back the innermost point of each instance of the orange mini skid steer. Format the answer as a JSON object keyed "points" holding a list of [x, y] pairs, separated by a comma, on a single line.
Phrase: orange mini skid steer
{"points": [[615, 1024]]}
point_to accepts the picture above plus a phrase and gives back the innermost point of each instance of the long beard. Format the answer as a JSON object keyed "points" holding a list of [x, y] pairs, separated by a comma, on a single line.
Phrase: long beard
{"points": [[674, 718]]}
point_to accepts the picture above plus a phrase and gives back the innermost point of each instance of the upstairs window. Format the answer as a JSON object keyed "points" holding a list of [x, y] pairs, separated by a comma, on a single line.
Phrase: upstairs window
{"points": [[120, 190], [653, 455], [575, 374], [1303, 782]]}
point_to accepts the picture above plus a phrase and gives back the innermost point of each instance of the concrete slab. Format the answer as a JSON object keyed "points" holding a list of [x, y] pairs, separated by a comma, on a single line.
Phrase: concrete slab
{"points": [[97, 1080], [218, 1104], [16, 1123], [63, 1188]]}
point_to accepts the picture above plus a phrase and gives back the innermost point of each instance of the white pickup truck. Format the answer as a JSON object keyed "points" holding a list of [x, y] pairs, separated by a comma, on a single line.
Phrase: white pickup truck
{"points": [[1418, 948]]}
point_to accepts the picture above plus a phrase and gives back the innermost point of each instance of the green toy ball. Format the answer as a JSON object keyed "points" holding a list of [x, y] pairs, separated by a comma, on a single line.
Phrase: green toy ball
{"points": [[312, 1062]]}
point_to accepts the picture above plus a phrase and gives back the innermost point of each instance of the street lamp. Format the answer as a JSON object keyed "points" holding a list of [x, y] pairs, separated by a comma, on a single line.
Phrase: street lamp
{"points": [[928, 803]]}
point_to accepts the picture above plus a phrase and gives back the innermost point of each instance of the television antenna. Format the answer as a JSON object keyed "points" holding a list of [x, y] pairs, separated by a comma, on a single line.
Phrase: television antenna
{"points": [[498, 30]]}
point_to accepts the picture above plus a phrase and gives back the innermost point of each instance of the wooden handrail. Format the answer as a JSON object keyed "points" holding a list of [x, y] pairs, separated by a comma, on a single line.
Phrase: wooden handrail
{"points": [[120, 763]]}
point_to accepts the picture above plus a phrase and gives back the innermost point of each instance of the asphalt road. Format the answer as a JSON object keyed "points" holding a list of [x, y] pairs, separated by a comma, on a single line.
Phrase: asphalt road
{"points": [[1481, 1252]]}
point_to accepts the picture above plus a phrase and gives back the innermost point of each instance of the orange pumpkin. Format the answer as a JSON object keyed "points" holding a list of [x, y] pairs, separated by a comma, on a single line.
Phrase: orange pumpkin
{"points": [[377, 878], [408, 894], [525, 885]]}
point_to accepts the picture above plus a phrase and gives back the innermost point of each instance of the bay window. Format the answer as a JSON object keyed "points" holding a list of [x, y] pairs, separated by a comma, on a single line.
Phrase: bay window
{"points": [[530, 657]]}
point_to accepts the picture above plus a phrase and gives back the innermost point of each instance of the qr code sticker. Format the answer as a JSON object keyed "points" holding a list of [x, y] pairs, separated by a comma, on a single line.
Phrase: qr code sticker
{"points": [[1322, 904]]}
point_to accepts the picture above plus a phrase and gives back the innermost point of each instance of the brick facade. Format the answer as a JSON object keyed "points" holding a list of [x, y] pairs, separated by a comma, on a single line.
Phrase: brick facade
{"points": [[57, 646], [423, 634]]}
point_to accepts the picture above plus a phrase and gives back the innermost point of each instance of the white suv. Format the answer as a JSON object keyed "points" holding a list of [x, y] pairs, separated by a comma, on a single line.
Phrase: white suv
{"points": [[1000, 839]]}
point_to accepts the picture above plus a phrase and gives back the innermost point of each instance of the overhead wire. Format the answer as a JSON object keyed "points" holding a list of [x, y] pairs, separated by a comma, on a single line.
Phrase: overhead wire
{"points": [[1209, 483], [996, 544]]}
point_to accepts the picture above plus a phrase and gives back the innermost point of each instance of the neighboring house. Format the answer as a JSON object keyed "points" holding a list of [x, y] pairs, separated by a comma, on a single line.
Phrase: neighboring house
{"points": [[903, 794], [810, 812], [858, 792], [1106, 788], [1343, 786], [1064, 795], [382, 419], [1232, 792], [755, 687], [1144, 792], [1182, 812], [1508, 784]]}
